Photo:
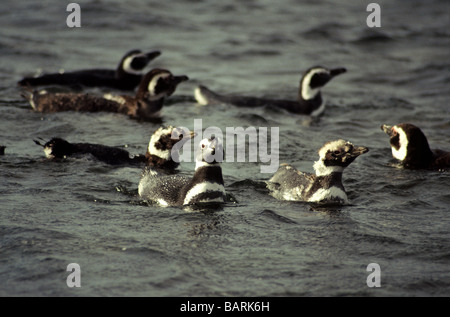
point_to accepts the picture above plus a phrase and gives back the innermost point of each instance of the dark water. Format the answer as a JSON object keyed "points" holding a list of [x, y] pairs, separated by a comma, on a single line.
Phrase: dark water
{"points": [[85, 212]]}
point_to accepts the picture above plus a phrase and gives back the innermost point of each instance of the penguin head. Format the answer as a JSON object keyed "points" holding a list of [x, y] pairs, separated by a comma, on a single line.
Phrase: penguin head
{"points": [[56, 148], [315, 78], [335, 156], [163, 140], [209, 152], [408, 144], [159, 83], [135, 61]]}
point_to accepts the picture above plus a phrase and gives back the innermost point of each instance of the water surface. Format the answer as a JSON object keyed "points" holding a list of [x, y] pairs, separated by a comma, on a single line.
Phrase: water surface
{"points": [[82, 211]]}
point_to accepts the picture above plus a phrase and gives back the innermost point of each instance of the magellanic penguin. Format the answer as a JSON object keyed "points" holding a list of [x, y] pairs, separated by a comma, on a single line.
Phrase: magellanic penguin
{"points": [[325, 186], [146, 104], [127, 76], [309, 101], [410, 146], [205, 186], [158, 153]]}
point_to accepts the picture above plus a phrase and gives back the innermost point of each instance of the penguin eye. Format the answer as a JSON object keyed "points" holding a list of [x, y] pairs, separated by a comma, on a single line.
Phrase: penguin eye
{"points": [[394, 132]]}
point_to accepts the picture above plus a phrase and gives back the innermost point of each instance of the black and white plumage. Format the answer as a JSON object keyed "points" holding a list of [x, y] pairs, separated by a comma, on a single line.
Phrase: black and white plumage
{"points": [[127, 76], [410, 146], [160, 146], [325, 186], [158, 154], [156, 85], [205, 186], [58, 148], [309, 100]]}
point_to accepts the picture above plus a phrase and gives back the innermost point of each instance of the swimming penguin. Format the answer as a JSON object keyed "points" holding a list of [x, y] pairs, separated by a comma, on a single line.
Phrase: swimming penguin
{"points": [[146, 104], [325, 186], [158, 154], [410, 146], [127, 76], [59, 148], [206, 185], [309, 101]]}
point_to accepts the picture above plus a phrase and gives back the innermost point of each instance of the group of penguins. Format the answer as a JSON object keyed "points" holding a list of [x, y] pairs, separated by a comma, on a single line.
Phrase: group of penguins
{"points": [[159, 183]]}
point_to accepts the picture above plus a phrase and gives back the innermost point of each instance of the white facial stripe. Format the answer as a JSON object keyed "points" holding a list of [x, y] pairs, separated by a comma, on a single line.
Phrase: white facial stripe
{"points": [[48, 152], [307, 91], [32, 103], [155, 138], [322, 170], [127, 65], [329, 194], [402, 151], [201, 100], [152, 84], [203, 188]]}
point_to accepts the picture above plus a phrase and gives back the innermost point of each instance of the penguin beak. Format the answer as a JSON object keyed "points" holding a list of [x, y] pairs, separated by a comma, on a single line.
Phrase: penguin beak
{"points": [[179, 79], [152, 55], [178, 134], [39, 143], [358, 150], [387, 129], [337, 71]]}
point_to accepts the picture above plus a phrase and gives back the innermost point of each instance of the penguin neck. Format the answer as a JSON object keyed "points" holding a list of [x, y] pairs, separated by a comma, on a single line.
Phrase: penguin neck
{"points": [[69, 149], [310, 97], [330, 180], [149, 108], [155, 160], [314, 102], [330, 171], [209, 172]]}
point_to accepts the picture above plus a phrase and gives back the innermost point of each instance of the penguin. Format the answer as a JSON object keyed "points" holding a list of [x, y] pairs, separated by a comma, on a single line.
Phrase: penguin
{"points": [[205, 186], [309, 101], [58, 148], [127, 76], [146, 104], [323, 187], [158, 153], [410, 146]]}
